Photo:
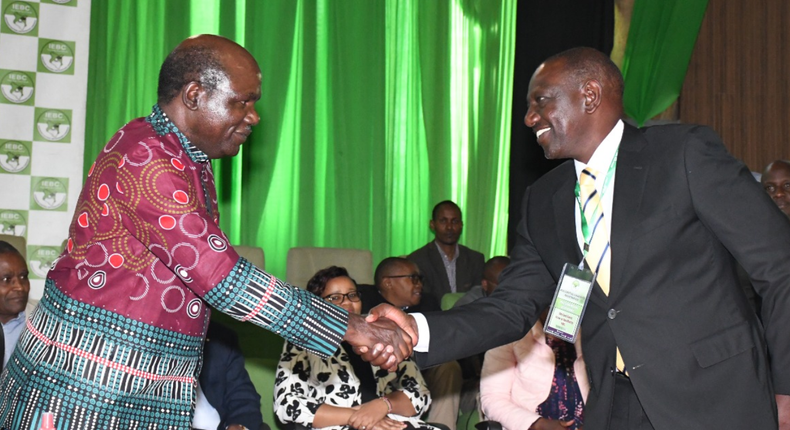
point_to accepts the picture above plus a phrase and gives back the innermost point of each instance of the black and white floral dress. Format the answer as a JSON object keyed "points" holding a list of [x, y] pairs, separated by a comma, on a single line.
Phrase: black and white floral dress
{"points": [[305, 381]]}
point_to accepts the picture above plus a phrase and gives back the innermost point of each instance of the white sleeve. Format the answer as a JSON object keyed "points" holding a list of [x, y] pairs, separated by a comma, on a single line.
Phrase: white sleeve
{"points": [[423, 332]]}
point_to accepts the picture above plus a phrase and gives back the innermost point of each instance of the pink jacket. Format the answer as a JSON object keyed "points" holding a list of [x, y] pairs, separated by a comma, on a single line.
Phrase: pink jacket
{"points": [[517, 377]]}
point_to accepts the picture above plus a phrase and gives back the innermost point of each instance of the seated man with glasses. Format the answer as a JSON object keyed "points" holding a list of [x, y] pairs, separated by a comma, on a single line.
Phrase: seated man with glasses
{"points": [[399, 283], [343, 391]]}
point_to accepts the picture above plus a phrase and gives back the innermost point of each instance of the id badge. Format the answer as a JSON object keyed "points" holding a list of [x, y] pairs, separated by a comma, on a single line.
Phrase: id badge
{"points": [[570, 302]]}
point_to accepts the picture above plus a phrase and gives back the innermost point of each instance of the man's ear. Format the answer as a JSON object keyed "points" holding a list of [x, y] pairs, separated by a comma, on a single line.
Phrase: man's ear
{"points": [[592, 95], [432, 226], [190, 95]]}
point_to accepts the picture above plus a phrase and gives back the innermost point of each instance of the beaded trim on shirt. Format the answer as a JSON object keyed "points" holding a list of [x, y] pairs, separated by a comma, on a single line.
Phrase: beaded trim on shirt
{"points": [[162, 126]]}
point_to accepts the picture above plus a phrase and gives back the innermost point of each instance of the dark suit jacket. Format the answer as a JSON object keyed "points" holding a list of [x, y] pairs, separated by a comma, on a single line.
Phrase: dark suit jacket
{"points": [[695, 351], [468, 269], [225, 381]]}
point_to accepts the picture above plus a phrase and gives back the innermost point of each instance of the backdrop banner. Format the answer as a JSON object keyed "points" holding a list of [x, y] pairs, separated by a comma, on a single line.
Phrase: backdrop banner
{"points": [[43, 89]]}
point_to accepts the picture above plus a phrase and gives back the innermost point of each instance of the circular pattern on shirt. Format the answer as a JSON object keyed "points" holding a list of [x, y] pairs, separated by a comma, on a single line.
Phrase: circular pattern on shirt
{"points": [[104, 192], [182, 273], [82, 220], [104, 253], [147, 287], [167, 222], [193, 308], [163, 275], [171, 297], [149, 155], [90, 171], [217, 243], [105, 210], [188, 222], [116, 260], [180, 197], [97, 280], [122, 162], [114, 141], [70, 245], [181, 253], [177, 164]]}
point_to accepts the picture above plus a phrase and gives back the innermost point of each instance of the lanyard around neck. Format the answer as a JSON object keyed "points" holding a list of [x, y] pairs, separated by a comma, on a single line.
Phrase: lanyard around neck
{"points": [[586, 233]]}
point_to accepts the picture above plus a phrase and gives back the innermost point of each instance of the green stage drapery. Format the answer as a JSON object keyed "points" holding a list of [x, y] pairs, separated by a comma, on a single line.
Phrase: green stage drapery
{"points": [[660, 43], [372, 111]]}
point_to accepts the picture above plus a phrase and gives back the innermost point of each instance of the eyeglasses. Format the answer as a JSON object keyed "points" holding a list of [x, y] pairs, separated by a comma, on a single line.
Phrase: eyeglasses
{"points": [[338, 299], [416, 278]]}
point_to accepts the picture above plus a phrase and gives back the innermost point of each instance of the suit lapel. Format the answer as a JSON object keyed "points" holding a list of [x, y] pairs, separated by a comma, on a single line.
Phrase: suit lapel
{"points": [[631, 174], [564, 202]]}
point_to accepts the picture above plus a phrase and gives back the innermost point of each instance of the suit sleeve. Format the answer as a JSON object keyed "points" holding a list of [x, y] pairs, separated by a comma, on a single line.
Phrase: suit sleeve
{"points": [[525, 289], [742, 216]]}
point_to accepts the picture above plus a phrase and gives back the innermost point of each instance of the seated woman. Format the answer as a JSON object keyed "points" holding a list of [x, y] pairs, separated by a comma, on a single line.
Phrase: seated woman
{"points": [[343, 391], [538, 382]]}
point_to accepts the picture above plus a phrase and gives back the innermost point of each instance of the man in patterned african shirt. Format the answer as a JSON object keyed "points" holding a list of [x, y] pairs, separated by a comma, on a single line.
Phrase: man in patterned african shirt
{"points": [[116, 341]]}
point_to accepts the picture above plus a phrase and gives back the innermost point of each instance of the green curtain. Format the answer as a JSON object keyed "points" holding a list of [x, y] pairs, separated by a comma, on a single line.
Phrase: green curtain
{"points": [[660, 43], [371, 112]]}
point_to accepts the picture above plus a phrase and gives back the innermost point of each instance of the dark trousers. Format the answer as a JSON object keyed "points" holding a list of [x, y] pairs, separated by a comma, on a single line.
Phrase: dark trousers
{"points": [[627, 412]]}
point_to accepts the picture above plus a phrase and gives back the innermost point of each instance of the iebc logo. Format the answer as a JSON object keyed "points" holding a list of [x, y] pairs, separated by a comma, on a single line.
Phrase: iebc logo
{"points": [[14, 156], [13, 222], [49, 193], [53, 125], [17, 86], [56, 56], [20, 17]]}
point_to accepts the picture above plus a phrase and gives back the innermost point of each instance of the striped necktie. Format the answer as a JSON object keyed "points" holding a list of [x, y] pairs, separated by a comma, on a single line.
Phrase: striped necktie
{"points": [[598, 255]]}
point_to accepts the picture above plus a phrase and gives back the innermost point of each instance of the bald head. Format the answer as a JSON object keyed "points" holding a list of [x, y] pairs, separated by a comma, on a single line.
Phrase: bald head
{"points": [[776, 182], [206, 59]]}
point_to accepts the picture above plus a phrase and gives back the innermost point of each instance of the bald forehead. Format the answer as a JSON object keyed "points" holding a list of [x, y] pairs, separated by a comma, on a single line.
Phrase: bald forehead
{"points": [[777, 167]]}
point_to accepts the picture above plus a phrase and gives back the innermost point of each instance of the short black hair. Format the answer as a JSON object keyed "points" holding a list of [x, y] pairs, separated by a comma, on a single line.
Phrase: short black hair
{"points": [[317, 284], [443, 203], [490, 272], [584, 63], [188, 64], [6, 247], [385, 267]]}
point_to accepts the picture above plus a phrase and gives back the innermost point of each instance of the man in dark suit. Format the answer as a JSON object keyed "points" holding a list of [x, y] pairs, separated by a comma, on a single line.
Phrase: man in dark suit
{"points": [[681, 211], [447, 266]]}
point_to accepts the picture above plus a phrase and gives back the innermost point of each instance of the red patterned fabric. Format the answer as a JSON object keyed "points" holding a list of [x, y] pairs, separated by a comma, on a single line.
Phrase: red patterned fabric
{"points": [[143, 242]]}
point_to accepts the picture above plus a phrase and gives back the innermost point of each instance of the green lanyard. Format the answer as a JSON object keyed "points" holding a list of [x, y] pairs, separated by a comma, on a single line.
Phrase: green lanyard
{"points": [[585, 228]]}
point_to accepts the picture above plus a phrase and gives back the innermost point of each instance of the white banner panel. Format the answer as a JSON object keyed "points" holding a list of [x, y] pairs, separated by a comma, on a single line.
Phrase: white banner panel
{"points": [[43, 89]]}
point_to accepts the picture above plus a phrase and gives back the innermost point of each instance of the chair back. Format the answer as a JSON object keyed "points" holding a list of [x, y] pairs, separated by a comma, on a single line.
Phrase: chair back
{"points": [[305, 261], [253, 254]]}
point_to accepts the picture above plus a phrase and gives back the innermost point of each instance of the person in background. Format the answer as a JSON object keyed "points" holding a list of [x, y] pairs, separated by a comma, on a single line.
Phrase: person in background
{"points": [[447, 266], [399, 283], [15, 306], [538, 382], [341, 391], [491, 271], [226, 397], [776, 182]]}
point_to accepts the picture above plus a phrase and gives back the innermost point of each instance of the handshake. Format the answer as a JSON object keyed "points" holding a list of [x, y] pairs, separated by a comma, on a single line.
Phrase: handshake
{"points": [[385, 337]]}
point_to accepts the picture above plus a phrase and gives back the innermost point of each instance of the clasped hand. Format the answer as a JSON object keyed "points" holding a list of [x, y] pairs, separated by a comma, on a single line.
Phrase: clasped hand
{"points": [[385, 338]]}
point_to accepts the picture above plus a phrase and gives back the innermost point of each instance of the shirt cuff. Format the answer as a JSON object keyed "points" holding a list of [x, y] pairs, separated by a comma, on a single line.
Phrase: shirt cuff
{"points": [[423, 332]]}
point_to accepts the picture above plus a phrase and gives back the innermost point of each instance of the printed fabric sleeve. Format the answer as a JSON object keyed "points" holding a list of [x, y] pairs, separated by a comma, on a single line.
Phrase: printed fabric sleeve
{"points": [[300, 317], [496, 389], [295, 400], [409, 380]]}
